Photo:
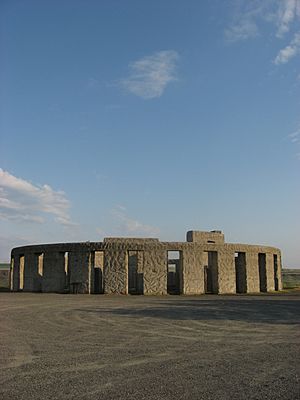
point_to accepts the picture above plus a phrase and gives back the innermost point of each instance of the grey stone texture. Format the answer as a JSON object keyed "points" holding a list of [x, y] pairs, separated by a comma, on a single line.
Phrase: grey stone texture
{"points": [[32, 279], [78, 270], [205, 237], [252, 272], [115, 270], [204, 264], [192, 272], [53, 279]]}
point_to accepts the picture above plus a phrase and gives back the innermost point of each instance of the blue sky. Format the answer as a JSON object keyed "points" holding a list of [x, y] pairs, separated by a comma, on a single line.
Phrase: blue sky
{"points": [[139, 118]]}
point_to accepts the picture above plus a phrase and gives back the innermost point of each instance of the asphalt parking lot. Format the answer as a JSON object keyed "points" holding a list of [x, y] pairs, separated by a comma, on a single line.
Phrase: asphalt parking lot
{"points": [[139, 347]]}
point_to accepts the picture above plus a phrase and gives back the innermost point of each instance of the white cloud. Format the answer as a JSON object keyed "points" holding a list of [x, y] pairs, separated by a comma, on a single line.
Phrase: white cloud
{"points": [[22, 201], [244, 29], [18, 217], [130, 226], [295, 139], [288, 10], [295, 136], [150, 75], [284, 15], [289, 51], [245, 19], [247, 16], [7, 242]]}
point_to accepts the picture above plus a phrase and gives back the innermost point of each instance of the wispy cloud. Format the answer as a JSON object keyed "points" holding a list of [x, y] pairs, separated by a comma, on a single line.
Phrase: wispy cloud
{"points": [[92, 83], [244, 29], [7, 242], [22, 201], [289, 51], [130, 226], [244, 21], [150, 75], [287, 13], [295, 138], [284, 15]]}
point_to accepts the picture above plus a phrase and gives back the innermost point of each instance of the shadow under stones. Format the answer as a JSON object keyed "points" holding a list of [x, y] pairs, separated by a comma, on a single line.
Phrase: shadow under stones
{"points": [[259, 310]]}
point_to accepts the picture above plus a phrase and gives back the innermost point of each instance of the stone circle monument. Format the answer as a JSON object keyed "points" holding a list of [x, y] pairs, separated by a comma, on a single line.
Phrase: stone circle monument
{"points": [[202, 264]]}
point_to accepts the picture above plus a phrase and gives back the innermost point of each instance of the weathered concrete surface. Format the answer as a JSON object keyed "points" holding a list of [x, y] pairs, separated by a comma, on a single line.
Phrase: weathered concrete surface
{"points": [[32, 278], [140, 347], [270, 272], [226, 271], [193, 272], [279, 272], [115, 271], [205, 237], [78, 269], [53, 272], [155, 271], [252, 272]]}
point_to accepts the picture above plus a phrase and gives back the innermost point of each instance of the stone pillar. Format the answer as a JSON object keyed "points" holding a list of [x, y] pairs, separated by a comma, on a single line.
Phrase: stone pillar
{"points": [[252, 272], [98, 270], [67, 275], [279, 271], [91, 273], [32, 281], [192, 272], [270, 272], [155, 271], [11, 274], [226, 271], [79, 262], [140, 272], [21, 269], [40, 265], [115, 271], [54, 275], [16, 274]]}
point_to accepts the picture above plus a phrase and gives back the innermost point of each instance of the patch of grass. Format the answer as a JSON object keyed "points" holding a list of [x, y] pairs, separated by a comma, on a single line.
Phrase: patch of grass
{"points": [[4, 280], [291, 278]]}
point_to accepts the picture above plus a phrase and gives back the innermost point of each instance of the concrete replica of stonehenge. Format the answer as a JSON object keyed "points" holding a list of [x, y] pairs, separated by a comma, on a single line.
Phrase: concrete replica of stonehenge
{"points": [[202, 264]]}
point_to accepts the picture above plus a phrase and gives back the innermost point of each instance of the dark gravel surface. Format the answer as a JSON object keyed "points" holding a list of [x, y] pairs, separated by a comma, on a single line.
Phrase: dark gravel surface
{"points": [[135, 347]]}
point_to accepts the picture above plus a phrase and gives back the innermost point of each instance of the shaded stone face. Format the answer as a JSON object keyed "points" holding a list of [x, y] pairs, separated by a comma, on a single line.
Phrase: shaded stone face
{"points": [[202, 264]]}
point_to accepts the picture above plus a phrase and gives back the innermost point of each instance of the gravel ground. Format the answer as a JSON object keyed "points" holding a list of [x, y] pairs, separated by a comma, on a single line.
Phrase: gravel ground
{"points": [[134, 347]]}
